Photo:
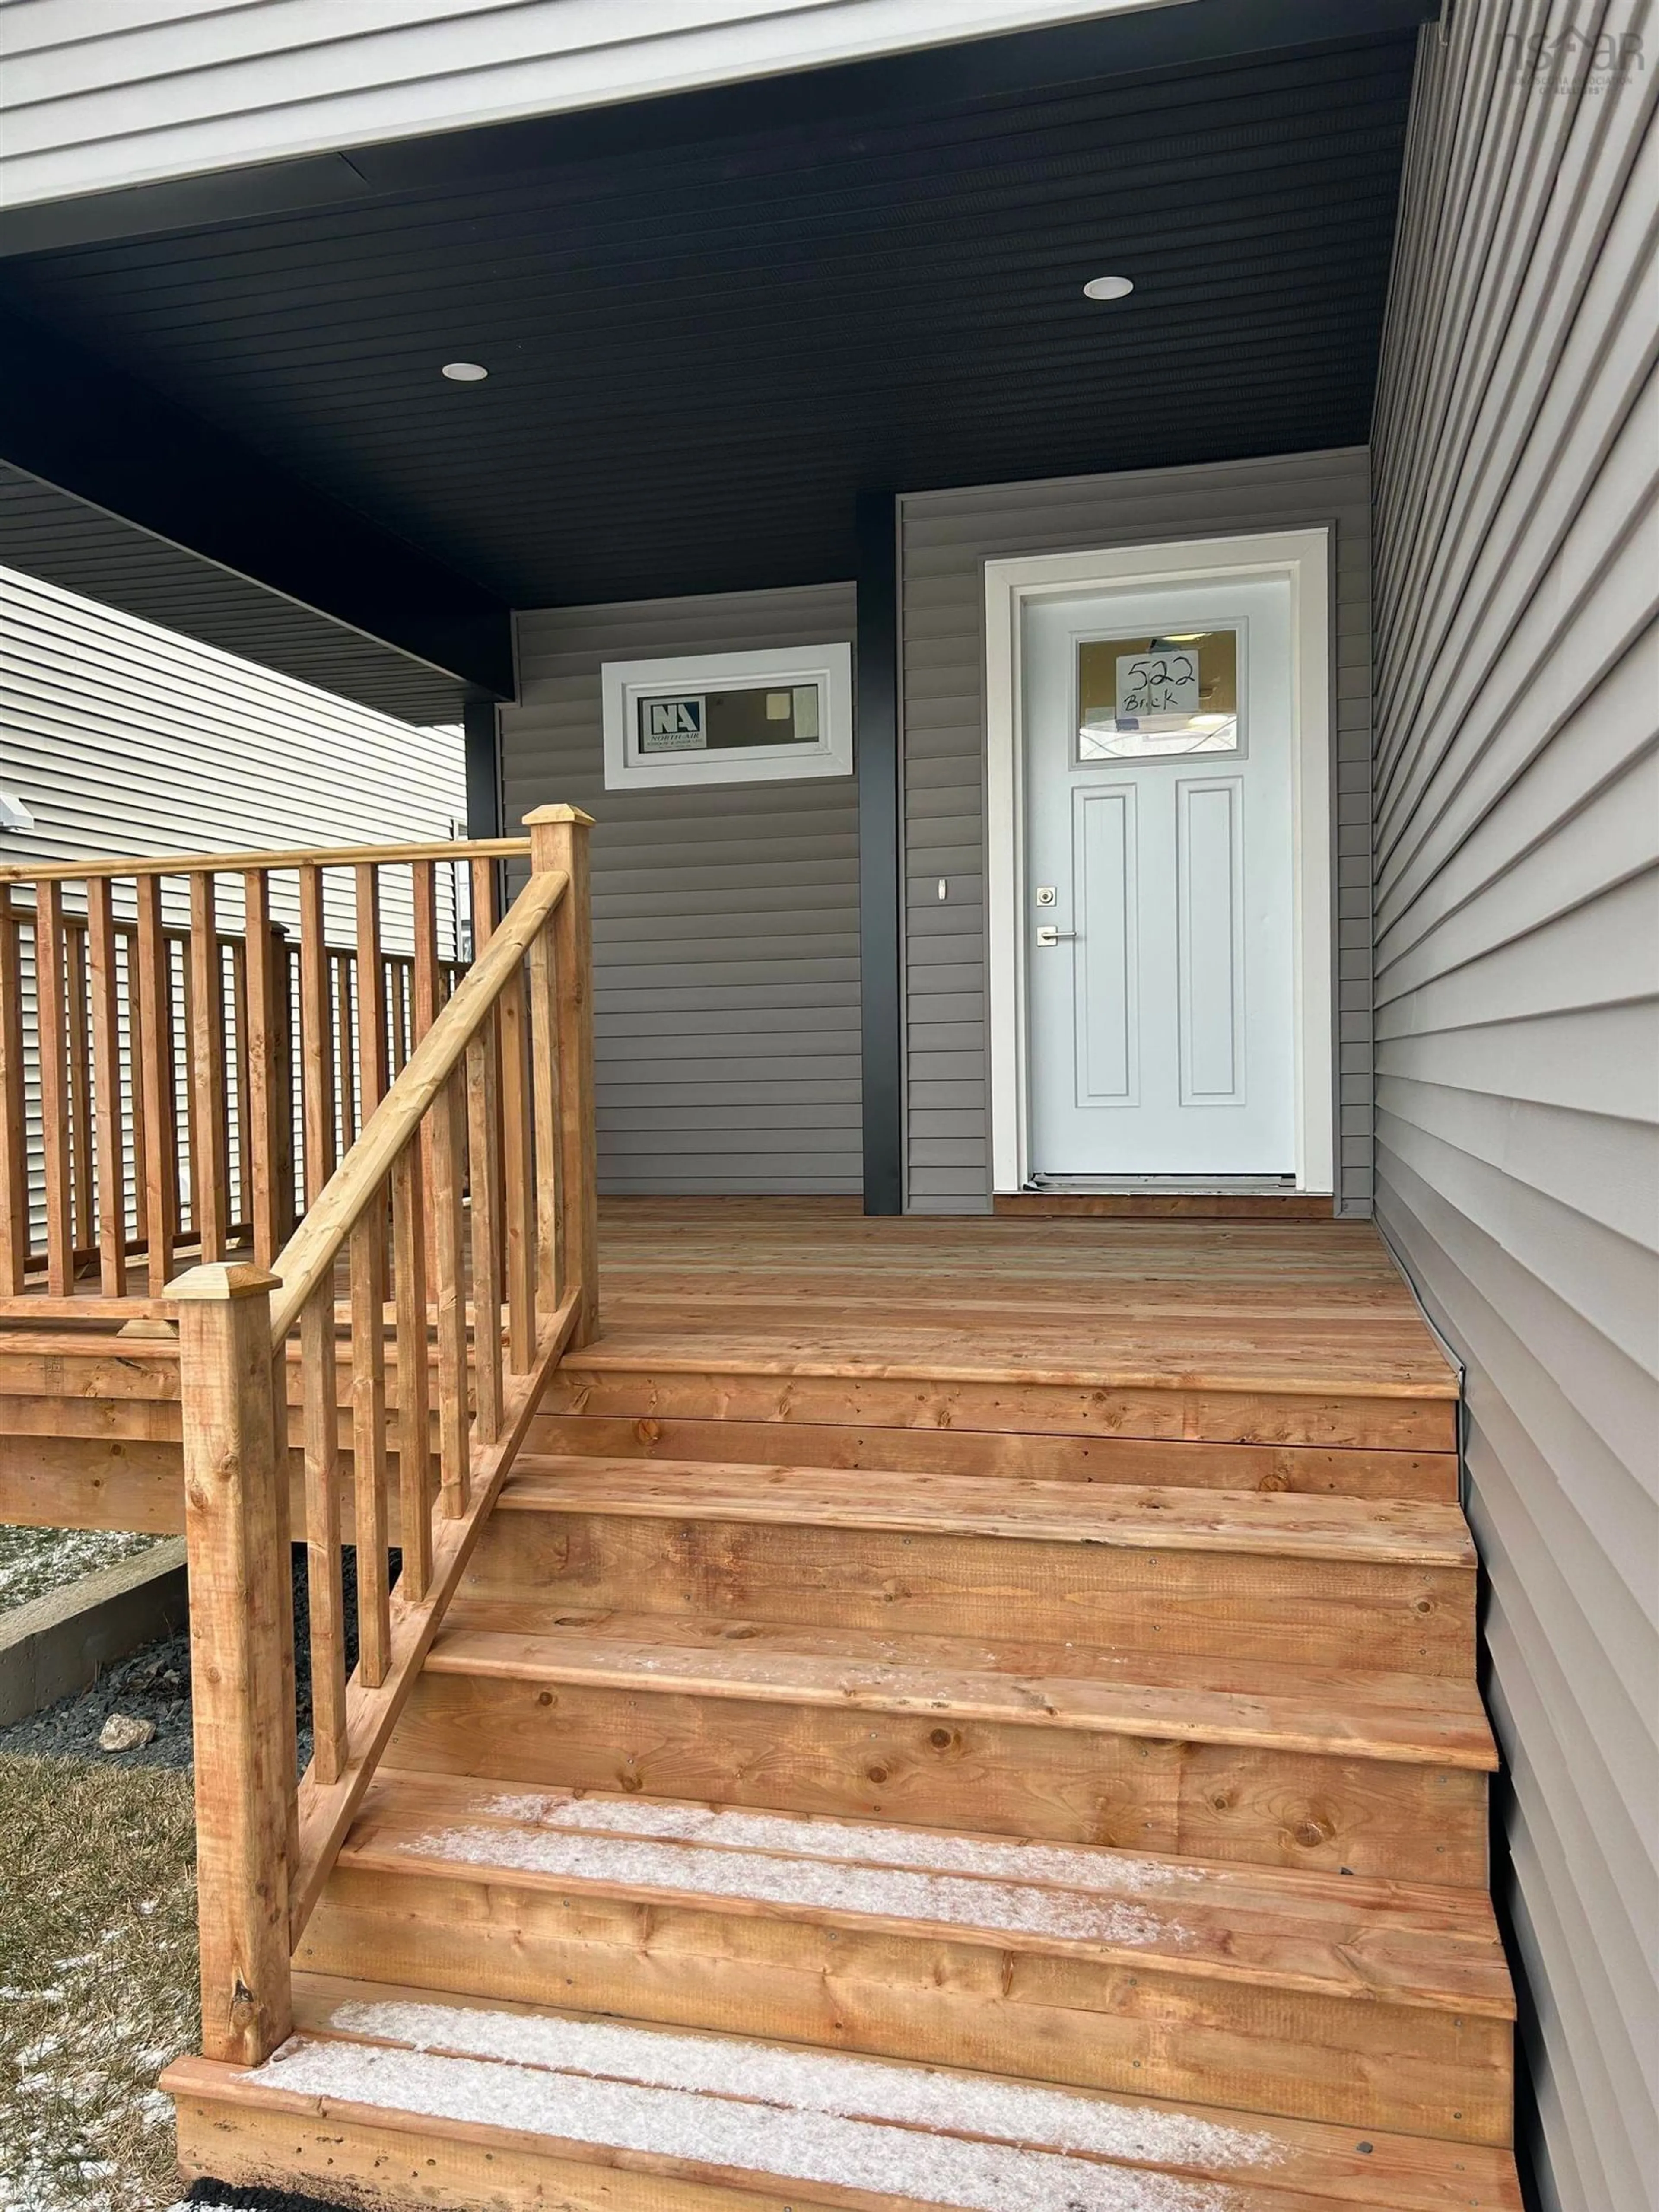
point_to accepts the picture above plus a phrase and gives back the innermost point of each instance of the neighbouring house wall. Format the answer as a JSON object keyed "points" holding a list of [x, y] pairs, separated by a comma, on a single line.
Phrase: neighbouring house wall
{"points": [[725, 921], [123, 738], [95, 96], [945, 538], [1517, 834]]}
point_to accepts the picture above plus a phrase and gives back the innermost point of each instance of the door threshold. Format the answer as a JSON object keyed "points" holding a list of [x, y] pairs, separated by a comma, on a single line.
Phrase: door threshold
{"points": [[1203, 1186], [1163, 1200]]}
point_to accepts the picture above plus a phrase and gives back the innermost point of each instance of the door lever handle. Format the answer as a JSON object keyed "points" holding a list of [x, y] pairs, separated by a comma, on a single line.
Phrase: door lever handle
{"points": [[1048, 934]]}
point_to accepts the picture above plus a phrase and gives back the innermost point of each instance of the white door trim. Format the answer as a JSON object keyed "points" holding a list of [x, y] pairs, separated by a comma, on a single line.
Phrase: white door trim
{"points": [[1303, 557]]}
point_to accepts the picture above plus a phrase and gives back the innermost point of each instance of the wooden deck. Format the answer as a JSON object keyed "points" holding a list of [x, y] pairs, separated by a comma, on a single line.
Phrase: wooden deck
{"points": [[1095, 1347], [999, 1654]]}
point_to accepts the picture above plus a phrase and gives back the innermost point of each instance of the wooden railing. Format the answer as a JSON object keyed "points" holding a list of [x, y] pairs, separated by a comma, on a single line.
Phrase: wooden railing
{"points": [[464, 1217], [188, 1044]]}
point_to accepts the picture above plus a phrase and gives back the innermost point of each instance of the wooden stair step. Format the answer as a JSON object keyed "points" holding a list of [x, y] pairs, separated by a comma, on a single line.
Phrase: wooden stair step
{"points": [[1087, 1459], [396, 2087], [1346, 1582], [928, 1377], [1156, 1517], [1382, 1775], [1316, 1997]]}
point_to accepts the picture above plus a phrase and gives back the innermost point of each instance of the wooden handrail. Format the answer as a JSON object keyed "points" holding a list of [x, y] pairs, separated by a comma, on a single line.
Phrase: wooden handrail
{"points": [[320, 856], [480, 1150], [310, 1252]]}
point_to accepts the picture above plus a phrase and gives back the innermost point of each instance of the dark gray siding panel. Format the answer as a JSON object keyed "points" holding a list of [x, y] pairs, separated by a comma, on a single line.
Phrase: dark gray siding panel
{"points": [[725, 921], [946, 537], [1517, 965]]}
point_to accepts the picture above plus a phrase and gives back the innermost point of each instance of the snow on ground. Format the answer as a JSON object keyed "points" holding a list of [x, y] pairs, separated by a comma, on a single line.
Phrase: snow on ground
{"points": [[33, 1561]]}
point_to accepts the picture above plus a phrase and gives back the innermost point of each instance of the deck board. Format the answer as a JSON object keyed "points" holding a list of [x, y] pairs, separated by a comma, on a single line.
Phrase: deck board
{"points": [[1293, 1347]]}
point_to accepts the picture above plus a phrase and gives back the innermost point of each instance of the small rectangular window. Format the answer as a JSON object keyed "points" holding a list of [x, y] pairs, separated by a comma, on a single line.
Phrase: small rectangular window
{"points": [[728, 718], [1148, 697]]}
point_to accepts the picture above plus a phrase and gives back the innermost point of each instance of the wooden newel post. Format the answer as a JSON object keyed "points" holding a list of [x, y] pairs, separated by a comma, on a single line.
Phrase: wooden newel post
{"points": [[241, 1600], [558, 839]]}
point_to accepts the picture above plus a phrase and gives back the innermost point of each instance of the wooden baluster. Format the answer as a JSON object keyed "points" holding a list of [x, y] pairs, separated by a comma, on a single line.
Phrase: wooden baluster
{"points": [[486, 909], [545, 1116], [414, 1374], [371, 991], [80, 1080], [368, 1454], [53, 1018], [424, 987], [127, 935], [14, 1126], [240, 1210], [320, 1429], [106, 1088], [446, 1236], [559, 839], [265, 1098], [316, 1035], [234, 1493], [289, 1100], [345, 1054], [518, 1174], [483, 1178], [209, 1166], [423, 879], [397, 978], [180, 999]]}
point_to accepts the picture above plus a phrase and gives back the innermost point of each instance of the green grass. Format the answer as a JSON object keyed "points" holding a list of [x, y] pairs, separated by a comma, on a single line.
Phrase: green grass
{"points": [[98, 1987]]}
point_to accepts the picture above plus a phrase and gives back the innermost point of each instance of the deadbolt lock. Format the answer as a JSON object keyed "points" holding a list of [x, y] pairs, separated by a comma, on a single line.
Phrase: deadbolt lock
{"points": [[1045, 896]]}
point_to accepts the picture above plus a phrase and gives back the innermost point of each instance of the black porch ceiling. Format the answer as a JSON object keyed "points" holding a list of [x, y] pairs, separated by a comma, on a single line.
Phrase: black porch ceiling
{"points": [[702, 349]]}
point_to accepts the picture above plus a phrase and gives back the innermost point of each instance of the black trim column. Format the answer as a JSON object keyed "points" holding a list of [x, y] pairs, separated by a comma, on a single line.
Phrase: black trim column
{"points": [[484, 769], [880, 986]]}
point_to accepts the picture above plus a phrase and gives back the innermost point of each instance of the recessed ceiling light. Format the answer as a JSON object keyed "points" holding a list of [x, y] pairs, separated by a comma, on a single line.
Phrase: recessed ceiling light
{"points": [[1107, 288], [466, 372]]}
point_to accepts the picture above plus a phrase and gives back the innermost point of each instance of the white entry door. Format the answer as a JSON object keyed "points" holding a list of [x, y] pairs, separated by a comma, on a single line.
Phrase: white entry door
{"points": [[1159, 880]]}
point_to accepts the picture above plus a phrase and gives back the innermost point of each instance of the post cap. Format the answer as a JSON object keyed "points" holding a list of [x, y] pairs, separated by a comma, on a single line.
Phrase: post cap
{"points": [[539, 814], [222, 1279]]}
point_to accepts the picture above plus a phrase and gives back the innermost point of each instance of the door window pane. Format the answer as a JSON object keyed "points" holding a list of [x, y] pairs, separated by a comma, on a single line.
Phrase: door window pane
{"points": [[1142, 697]]}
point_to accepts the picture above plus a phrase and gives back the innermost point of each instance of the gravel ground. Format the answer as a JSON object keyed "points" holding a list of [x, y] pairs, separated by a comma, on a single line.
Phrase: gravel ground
{"points": [[154, 1685]]}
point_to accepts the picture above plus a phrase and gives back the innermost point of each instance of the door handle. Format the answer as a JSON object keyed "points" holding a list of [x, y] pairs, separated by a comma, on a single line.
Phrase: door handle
{"points": [[1048, 934]]}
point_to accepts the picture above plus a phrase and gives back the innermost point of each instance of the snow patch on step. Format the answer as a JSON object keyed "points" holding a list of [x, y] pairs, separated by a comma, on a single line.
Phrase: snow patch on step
{"points": [[887, 1891], [789, 2143], [859, 1842], [787, 2077]]}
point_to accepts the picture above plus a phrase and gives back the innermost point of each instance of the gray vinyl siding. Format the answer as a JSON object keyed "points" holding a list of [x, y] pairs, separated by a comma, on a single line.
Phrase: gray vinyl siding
{"points": [[1517, 941], [95, 95], [945, 538], [725, 921], [123, 738]]}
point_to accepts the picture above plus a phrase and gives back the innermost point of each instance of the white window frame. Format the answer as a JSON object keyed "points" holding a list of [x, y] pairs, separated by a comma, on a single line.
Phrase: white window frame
{"points": [[624, 683], [1302, 556]]}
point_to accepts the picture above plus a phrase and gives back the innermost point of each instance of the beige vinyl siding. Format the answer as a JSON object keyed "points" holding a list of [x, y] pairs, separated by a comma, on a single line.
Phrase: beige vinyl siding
{"points": [[726, 920], [946, 537], [1517, 964], [99, 94]]}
